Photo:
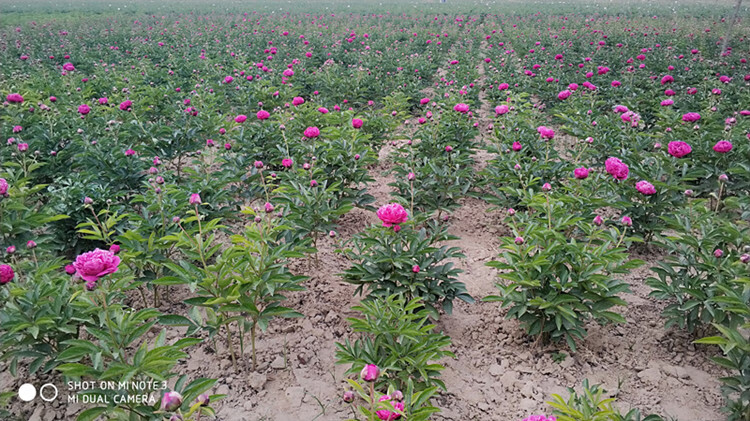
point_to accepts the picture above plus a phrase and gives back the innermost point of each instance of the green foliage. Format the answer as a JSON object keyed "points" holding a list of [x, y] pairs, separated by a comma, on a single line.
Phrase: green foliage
{"points": [[384, 262], [691, 276], [561, 271], [397, 337], [591, 405]]}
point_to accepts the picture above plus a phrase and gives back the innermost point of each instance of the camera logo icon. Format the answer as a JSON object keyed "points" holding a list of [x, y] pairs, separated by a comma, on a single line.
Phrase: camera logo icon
{"points": [[27, 392]]}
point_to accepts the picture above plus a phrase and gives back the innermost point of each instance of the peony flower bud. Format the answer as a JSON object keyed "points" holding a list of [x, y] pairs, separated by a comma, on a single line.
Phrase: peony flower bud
{"points": [[313, 183], [415, 268], [203, 399], [332, 234], [370, 373], [258, 164], [348, 396], [269, 207], [627, 221], [175, 219], [114, 248], [718, 253], [449, 148], [87, 200], [519, 240], [30, 244], [745, 258], [10, 249], [598, 220], [397, 395], [171, 401], [411, 176], [723, 177], [6, 274], [195, 199], [546, 187]]}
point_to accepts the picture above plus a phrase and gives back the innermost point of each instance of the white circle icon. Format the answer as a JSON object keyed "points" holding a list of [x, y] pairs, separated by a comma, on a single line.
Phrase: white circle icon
{"points": [[44, 398], [27, 392]]}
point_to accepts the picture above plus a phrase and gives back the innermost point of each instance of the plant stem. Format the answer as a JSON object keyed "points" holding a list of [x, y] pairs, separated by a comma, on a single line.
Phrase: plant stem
{"points": [[252, 344], [231, 347]]}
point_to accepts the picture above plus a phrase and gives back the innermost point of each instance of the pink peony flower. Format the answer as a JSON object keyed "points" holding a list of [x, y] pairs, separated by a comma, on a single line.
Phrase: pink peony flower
{"points": [[516, 146], [415, 268], [691, 117], [298, 100], [92, 265], [84, 109], [312, 132], [392, 214], [126, 105], [70, 269], [627, 221], [718, 253], [387, 415], [6, 274], [424, 101], [323, 110], [563, 95], [645, 187], [616, 168], [3, 187], [501, 109], [545, 132], [581, 173], [539, 418], [678, 149], [598, 220], [370, 373], [357, 123], [195, 199], [461, 108], [286, 163], [129, 152], [14, 98], [240, 118], [263, 114], [723, 146], [68, 67]]}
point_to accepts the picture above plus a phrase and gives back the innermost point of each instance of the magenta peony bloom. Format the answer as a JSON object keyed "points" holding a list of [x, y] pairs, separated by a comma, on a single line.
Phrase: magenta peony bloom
{"points": [[621, 109], [323, 110], [84, 109], [723, 146], [627, 221], [501, 109], [103, 100], [15, 98], [312, 132], [195, 199], [92, 265], [616, 168], [298, 100], [563, 95], [171, 401], [461, 108], [415, 268], [68, 67], [545, 132], [3, 187], [718, 253], [6, 274], [70, 269], [387, 415], [357, 123], [263, 114], [539, 418], [392, 214], [645, 187], [678, 149], [516, 146], [667, 103], [598, 220], [691, 117], [424, 101], [581, 173], [286, 163], [370, 373], [240, 118], [126, 105]]}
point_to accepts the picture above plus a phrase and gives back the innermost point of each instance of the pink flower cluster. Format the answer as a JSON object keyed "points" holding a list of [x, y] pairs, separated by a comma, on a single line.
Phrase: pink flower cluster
{"points": [[92, 265]]}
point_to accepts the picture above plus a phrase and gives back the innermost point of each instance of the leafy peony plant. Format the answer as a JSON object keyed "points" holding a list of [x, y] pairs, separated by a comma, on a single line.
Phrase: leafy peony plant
{"points": [[400, 258], [561, 271]]}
